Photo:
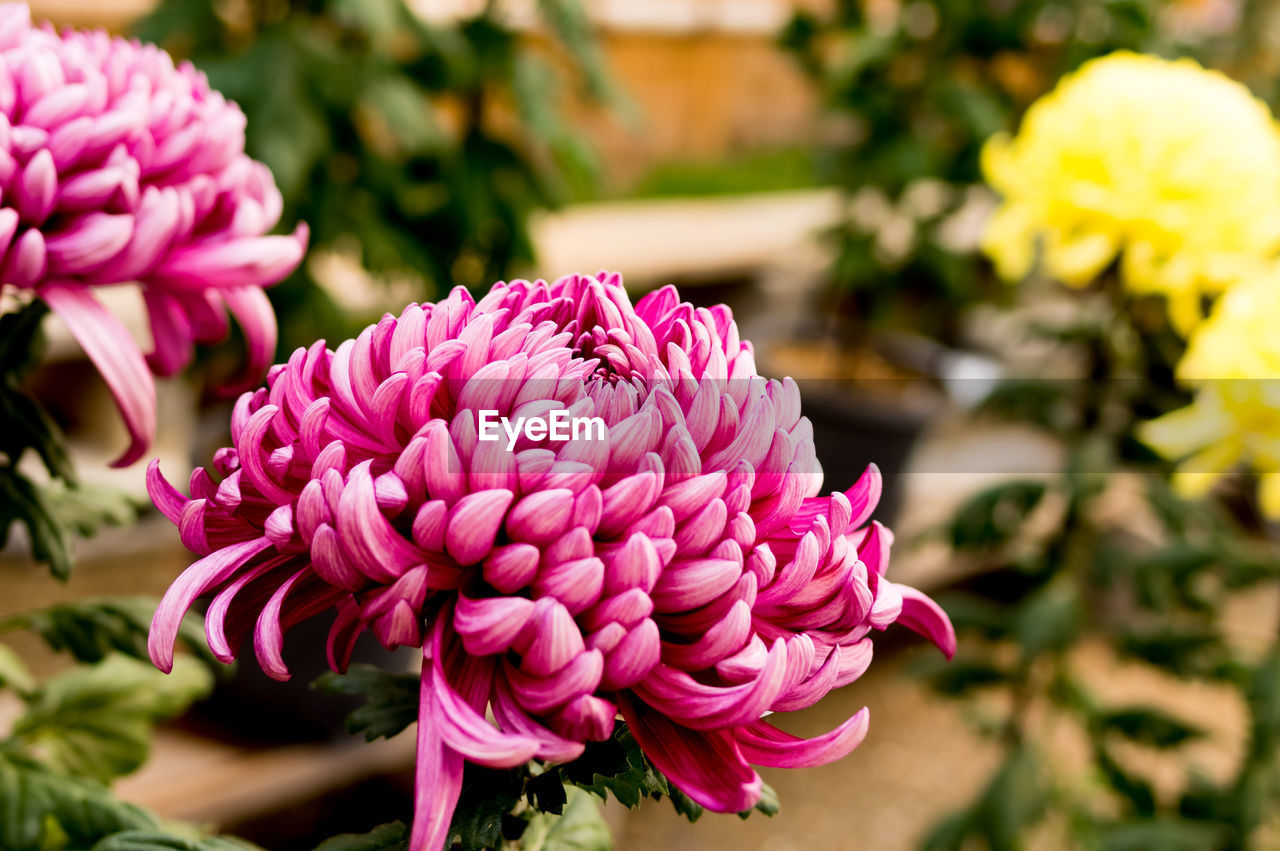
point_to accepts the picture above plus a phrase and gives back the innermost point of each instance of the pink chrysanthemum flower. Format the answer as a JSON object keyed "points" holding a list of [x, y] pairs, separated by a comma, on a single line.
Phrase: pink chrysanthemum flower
{"points": [[681, 571], [116, 167]]}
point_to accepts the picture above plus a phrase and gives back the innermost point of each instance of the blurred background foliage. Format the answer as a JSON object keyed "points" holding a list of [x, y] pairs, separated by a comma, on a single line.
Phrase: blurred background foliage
{"points": [[911, 91], [1105, 559], [416, 149], [77, 730]]}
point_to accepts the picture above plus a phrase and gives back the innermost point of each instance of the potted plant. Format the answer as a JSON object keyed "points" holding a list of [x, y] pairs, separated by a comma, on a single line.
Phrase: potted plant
{"points": [[911, 92]]}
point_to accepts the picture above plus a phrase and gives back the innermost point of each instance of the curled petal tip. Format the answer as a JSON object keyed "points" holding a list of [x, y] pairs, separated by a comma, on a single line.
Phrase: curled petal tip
{"points": [[763, 744], [118, 359], [922, 615], [166, 498], [160, 652]]}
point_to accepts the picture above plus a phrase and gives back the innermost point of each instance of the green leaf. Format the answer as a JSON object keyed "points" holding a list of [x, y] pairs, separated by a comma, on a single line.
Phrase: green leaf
{"points": [[974, 612], [1262, 692], [1048, 620], [21, 501], [1014, 800], [391, 700], [568, 20], [96, 721], [1137, 790], [949, 833], [406, 111], [387, 837], [13, 672], [488, 797], [994, 516], [1182, 651], [379, 19], [1050, 405], [963, 675], [1164, 834], [327, 85], [768, 804], [1149, 726], [93, 628], [86, 509], [547, 792], [20, 339], [616, 766], [580, 828], [686, 806], [29, 426], [144, 840], [37, 806]]}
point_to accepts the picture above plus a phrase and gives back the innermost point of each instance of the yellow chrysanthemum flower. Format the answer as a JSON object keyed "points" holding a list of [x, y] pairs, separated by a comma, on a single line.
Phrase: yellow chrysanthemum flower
{"points": [[1174, 168], [1234, 360]]}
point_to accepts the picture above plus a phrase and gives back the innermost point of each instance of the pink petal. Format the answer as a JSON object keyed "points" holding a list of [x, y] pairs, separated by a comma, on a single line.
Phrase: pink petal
{"points": [[117, 358], [511, 567], [37, 188], [634, 565], [375, 545], [92, 242], [252, 309], [556, 639], [25, 262], [268, 639], [509, 713], [474, 523], [97, 189], [575, 583], [541, 517], [251, 261], [633, 658], [343, 634], [703, 706], [540, 694], [438, 776], [586, 717], [490, 625], [171, 333], [209, 572], [460, 723], [168, 499], [927, 618], [626, 501], [225, 644], [720, 641], [689, 584], [155, 227], [706, 765], [761, 743]]}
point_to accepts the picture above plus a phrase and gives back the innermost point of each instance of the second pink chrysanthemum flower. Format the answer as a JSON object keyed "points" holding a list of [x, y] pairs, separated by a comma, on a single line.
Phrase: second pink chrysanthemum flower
{"points": [[117, 167], [682, 572]]}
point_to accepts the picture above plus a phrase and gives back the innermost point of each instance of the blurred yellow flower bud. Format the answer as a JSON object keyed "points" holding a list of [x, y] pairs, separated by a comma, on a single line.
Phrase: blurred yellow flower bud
{"points": [[1172, 169], [1233, 359]]}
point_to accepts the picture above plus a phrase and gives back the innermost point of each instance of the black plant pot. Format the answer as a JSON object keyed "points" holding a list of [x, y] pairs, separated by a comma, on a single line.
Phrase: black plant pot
{"points": [[852, 429], [250, 707]]}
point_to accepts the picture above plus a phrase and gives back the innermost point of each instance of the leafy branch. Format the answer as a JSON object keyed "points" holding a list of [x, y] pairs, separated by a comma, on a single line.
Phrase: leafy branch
{"points": [[81, 728], [1086, 577], [535, 803], [55, 512]]}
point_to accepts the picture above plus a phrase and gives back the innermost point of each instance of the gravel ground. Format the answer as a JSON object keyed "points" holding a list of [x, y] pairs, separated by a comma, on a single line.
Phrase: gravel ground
{"points": [[919, 761]]}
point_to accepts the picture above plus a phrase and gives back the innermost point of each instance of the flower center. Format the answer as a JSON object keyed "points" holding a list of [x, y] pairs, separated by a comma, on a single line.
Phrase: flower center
{"points": [[609, 348]]}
